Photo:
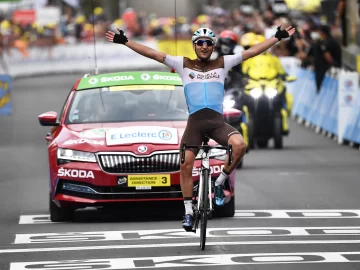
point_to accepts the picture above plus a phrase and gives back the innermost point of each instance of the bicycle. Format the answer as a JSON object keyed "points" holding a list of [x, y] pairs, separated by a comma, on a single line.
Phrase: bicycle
{"points": [[202, 206]]}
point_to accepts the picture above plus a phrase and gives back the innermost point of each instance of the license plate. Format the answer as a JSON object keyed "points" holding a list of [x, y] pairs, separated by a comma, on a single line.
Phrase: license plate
{"points": [[149, 180]]}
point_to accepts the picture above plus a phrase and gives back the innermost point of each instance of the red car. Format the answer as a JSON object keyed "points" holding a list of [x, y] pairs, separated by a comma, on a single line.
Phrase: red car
{"points": [[117, 140]]}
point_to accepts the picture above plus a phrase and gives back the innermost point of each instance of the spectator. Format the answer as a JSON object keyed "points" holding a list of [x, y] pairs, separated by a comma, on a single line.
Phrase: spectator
{"points": [[326, 52]]}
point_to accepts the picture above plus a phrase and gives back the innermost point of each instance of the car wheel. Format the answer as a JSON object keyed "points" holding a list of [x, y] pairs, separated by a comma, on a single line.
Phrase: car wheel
{"points": [[228, 210], [278, 134], [58, 214]]}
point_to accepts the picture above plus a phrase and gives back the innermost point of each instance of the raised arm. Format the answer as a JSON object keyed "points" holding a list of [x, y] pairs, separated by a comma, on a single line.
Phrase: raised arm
{"points": [[137, 47], [263, 46]]}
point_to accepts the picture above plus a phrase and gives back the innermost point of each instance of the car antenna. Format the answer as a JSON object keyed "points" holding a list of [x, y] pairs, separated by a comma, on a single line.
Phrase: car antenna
{"points": [[94, 39], [96, 68], [175, 29]]}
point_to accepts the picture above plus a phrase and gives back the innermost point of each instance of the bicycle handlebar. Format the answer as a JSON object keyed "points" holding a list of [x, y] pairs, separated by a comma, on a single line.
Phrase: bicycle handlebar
{"points": [[207, 148]]}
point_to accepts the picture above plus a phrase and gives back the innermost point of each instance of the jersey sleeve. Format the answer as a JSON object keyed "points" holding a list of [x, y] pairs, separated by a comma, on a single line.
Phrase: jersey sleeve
{"points": [[232, 60], [175, 62]]}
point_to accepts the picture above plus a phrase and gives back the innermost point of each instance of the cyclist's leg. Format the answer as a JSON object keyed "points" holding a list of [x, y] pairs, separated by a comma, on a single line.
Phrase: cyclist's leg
{"points": [[191, 136], [225, 134]]}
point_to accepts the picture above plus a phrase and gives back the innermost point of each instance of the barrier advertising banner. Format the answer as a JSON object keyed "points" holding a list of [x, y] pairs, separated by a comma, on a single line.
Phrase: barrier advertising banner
{"points": [[5, 97], [347, 94]]}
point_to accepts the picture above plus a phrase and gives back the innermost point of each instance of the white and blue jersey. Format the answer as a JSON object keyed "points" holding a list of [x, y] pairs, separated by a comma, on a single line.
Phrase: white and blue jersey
{"points": [[203, 85]]}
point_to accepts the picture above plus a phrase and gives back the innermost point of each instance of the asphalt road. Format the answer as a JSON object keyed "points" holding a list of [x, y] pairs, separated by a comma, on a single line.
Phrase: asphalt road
{"points": [[298, 208]]}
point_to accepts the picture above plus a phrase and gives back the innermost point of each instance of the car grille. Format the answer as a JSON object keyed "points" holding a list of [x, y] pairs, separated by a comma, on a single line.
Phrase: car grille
{"points": [[129, 163]]}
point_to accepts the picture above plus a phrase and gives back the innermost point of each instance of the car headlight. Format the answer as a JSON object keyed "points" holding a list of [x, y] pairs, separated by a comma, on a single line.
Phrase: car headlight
{"points": [[256, 92], [271, 92], [215, 153], [228, 103], [68, 154]]}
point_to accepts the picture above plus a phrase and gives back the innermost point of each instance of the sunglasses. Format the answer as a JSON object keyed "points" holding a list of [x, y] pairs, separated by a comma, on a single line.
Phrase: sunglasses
{"points": [[201, 42]]}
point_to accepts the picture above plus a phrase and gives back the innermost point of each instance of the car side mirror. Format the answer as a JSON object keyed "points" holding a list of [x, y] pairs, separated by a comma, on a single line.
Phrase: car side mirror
{"points": [[48, 119]]}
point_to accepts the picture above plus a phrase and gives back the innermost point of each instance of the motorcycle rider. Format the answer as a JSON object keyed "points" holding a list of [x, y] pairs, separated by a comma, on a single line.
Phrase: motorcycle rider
{"points": [[273, 67], [203, 81]]}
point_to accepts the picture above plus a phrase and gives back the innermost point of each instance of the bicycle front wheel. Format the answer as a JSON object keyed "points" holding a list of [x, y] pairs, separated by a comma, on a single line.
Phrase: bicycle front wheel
{"points": [[204, 208]]}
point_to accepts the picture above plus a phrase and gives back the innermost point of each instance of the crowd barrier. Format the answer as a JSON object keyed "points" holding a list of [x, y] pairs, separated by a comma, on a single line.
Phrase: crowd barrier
{"points": [[335, 110], [5, 95]]}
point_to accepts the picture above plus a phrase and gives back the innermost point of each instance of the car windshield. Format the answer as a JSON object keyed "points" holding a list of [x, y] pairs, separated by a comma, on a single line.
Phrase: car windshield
{"points": [[128, 103]]}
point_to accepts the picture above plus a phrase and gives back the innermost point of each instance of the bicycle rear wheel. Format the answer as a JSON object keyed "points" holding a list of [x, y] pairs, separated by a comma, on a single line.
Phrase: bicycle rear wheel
{"points": [[204, 208]]}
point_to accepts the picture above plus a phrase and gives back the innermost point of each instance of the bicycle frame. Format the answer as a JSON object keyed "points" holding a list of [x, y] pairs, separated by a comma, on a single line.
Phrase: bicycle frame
{"points": [[205, 165], [204, 209]]}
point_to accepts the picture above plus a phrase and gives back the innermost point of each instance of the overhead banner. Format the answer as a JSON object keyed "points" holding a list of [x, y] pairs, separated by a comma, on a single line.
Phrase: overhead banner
{"points": [[347, 93], [5, 96]]}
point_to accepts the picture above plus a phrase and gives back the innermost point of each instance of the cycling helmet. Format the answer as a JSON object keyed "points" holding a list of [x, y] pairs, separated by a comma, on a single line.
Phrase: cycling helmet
{"points": [[231, 35], [227, 42], [203, 32]]}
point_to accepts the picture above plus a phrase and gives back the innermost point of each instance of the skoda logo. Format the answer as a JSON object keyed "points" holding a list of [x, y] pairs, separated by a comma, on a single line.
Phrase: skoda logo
{"points": [[93, 81], [145, 77], [142, 148]]}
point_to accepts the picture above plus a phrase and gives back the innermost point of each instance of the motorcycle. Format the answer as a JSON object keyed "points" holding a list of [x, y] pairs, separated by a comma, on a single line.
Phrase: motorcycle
{"points": [[268, 119]]}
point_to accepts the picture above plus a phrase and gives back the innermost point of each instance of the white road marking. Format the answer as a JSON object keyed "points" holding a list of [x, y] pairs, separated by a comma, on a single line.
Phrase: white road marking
{"points": [[303, 213], [167, 245], [322, 214], [193, 261], [66, 237], [34, 219], [278, 259]]}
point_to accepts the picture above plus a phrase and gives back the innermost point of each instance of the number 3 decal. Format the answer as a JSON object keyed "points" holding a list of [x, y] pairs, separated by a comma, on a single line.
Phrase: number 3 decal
{"points": [[164, 180]]}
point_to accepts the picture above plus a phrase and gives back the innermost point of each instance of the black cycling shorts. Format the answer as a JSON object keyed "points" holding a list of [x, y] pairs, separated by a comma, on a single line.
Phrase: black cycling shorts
{"points": [[210, 122]]}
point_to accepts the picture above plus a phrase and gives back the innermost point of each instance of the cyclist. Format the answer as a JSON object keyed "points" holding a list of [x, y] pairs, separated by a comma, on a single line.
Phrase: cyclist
{"points": [[203, 81]]}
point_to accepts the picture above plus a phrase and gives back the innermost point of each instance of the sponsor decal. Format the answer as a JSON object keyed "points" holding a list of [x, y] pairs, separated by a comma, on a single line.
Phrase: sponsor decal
{"points": [[122, 181], [143, 188], [142, 134], [208, 76], [149, 180], [145, 77], [116, 78], [166, 78], [142, 148], [192, 261], [348, 99], [93, 81], [348, 84], [213, 169], [81, 141], [75, 173], [192, 75], [94, 133]]}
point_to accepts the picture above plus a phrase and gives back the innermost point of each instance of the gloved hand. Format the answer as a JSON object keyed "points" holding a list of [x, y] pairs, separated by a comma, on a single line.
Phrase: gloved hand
{"points": [[120, 38], [280, 34]]}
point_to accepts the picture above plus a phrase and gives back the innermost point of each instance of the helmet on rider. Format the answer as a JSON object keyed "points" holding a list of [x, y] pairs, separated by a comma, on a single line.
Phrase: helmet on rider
{"points": [[203, 41], [227, 42], [248, 40]]}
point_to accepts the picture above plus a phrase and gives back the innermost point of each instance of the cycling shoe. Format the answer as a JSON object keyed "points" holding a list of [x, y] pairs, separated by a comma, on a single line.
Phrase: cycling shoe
{"points": [[188, 223]]}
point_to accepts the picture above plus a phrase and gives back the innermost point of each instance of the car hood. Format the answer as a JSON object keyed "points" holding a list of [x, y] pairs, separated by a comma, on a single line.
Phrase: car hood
{"points": [[92, 137]]}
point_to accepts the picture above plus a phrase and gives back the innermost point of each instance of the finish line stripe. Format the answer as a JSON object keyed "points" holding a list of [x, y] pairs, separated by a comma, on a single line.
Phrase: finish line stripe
{"points": [[109, 247]]}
